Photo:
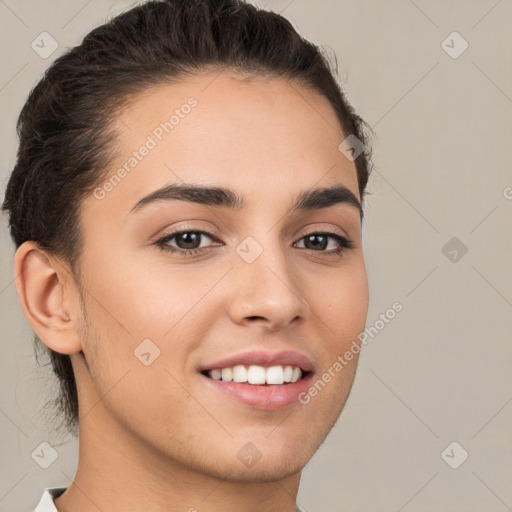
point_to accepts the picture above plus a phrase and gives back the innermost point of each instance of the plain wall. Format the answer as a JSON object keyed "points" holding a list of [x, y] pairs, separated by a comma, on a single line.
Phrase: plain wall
{"points": [[441, 370]]}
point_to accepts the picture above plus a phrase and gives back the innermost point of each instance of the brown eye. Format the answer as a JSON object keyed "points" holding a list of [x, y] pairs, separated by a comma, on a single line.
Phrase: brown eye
{"points": [[185, 242], [319, 242]]}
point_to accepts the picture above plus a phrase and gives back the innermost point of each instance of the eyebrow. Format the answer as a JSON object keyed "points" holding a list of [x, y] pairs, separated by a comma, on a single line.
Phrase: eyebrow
{"points": [[219, 196]]}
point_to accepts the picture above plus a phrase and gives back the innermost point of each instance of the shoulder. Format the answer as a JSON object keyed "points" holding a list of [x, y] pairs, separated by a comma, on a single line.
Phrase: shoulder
{"points": [[46, 503]]}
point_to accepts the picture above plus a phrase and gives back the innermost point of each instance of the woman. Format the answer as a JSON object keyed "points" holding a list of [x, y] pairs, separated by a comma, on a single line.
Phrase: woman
{"points": [[187, 206]]}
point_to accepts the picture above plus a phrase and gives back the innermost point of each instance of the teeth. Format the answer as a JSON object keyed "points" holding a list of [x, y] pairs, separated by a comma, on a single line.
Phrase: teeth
{"points": [[226, 374], [296, 374], [287, 374], [256, 375], [216, 374], [275, 375], [239, 373], [259, 375]]}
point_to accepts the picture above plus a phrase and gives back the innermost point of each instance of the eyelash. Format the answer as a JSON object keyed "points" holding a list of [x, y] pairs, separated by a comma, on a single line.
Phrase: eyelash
{"points": [[345, 243]]}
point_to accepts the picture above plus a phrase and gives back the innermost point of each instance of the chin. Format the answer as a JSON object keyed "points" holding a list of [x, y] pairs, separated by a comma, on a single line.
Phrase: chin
{"points": [[266, 471], [277, 461], [270, 465]]}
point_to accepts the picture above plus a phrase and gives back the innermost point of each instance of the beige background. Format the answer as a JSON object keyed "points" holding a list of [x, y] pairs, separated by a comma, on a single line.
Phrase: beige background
{"points": [[441, 371]]}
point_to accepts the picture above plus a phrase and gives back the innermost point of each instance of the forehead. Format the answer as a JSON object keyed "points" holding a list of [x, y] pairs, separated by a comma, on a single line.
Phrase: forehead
{"points": [[259, 135]]}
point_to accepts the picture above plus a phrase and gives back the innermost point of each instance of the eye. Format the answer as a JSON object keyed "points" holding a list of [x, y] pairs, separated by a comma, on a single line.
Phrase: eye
{"points": [[318, 242], [187, 242], [190, 242]]}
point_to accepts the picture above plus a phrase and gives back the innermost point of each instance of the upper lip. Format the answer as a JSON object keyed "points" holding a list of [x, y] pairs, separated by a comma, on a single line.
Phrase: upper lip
{"points": [[261, 358]]}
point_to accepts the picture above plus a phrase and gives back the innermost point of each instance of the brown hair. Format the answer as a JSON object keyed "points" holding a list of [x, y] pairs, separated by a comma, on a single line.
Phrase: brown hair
{"points": [[65, 142]]}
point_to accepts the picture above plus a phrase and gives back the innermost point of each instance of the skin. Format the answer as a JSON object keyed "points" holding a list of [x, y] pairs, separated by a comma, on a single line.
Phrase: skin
{"points": [[156, 437]]}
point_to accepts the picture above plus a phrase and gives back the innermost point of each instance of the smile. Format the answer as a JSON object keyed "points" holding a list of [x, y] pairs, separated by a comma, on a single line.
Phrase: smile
{"points": [[261, 382], [257, 375]]}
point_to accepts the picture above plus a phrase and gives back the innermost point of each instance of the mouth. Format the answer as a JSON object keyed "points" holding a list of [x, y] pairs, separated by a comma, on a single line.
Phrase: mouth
{"points": [[257, 375], [260, 380]]}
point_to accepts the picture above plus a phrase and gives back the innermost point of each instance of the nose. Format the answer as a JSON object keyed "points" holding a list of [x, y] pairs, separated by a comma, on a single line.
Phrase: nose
{"points": [[266, 290]]}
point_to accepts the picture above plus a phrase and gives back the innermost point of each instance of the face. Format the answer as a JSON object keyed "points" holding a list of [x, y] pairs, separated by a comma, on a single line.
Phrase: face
{"points": [[178, 288]]}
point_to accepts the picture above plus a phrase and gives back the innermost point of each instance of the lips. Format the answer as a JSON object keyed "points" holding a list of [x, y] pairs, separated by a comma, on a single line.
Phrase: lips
{"points": [[260, 395], [260, 358]]}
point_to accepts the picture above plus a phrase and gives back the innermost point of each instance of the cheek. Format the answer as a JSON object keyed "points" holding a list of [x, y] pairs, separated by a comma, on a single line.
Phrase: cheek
{"points": [[138, 297], [145, 315], [343, 316], [345, 306]]}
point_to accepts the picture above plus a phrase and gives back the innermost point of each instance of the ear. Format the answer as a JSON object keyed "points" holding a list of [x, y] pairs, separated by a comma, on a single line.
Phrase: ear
{"points": [[48, 297]]}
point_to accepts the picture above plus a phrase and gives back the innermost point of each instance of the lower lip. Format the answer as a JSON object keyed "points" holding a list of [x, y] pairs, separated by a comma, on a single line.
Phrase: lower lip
{"points": [[269, 398]]}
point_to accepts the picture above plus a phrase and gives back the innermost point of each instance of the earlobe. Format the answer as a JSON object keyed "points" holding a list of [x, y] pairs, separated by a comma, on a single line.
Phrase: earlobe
{"points": [[48, 298]]}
